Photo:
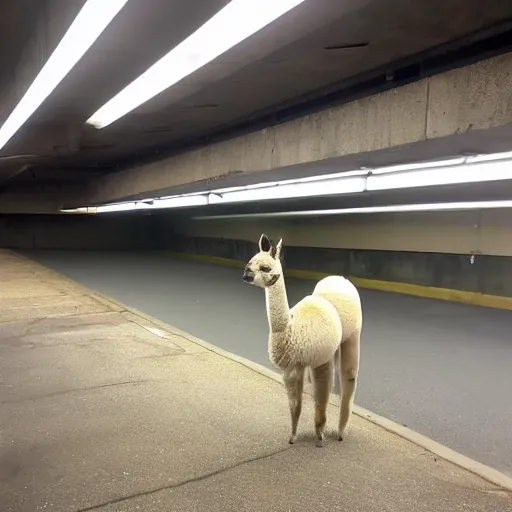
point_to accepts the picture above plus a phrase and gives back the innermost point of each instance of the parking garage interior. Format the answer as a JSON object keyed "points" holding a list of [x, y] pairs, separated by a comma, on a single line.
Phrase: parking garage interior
{"points": [[373, 140]]}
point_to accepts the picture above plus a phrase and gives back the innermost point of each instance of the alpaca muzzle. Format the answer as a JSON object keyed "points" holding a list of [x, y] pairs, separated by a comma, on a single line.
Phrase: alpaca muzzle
{"points": [[248, 276]]}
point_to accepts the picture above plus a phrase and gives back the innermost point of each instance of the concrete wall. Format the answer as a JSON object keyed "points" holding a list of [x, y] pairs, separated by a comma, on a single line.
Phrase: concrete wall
{"points": [[465, 232], [429, 249], [77, 232]]}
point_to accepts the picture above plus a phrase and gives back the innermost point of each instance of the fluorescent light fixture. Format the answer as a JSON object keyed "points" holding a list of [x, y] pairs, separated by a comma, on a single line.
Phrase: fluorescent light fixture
{"points": [[90, 22], [119, 207], [231, 25], [489, 157], [349, 185], [214, 198], [180, 202], [450, 175], [419, 165], [446, 172], [154, 204], [84, 209], [399, 208], [450, 172]]}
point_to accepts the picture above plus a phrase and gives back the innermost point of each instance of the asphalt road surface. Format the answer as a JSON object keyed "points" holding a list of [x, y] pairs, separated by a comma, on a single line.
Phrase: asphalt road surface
{"points": [[442, 369]]}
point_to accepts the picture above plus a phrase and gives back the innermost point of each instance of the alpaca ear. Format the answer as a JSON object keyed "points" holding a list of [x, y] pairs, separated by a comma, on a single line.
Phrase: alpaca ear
{"points": [[264, 243], [278, 248]]}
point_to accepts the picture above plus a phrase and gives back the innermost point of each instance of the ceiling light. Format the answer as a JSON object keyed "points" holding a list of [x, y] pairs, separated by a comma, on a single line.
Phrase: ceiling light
{"points": [[85, 29], [119, 207], [419, 165], [489, 157], [399, 208], [214, 198], [237, 21], [450, 175], [387, 178], [349, 185], [320, 177], [83, 209], [437, 173], [180, 202]]}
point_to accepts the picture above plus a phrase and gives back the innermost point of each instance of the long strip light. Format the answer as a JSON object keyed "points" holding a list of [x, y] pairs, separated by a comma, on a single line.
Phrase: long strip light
{"points": [[450, 172], [489, 157], [90, 22], [458, 171], [451, 162], [346, 185], [451, 175], [176, 202], [119, 207], [237, 21], [152, 204], [398, 208]]}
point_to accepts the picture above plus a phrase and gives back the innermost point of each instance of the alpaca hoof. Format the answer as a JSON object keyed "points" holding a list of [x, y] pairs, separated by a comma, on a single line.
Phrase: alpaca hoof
{"points": [[319, 443], [292, 439], [340, 437]]}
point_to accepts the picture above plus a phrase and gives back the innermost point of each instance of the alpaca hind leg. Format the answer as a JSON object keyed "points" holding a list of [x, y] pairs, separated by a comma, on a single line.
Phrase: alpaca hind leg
{"points": [[349, 369], [322, 377], [294, 383]]}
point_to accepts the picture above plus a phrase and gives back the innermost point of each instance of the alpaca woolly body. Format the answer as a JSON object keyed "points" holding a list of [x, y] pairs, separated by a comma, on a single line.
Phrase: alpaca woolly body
{"points": [[306, 335], [343, 295], [310, 338], [323, 328]]}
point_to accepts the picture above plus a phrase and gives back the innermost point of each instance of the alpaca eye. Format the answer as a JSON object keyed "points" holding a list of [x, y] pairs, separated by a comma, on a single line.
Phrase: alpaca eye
{"points": [[265, 269]]}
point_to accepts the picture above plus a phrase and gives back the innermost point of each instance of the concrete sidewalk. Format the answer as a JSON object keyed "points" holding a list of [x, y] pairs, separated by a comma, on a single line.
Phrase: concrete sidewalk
{"points": [[104, 410]]}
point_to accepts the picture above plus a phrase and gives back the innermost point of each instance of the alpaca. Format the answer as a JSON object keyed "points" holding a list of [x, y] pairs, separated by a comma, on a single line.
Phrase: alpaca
{"points": [[321, 329]]}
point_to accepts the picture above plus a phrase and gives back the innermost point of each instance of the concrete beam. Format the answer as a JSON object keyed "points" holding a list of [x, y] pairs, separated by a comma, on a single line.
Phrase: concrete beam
{"points": [[463, 110]]}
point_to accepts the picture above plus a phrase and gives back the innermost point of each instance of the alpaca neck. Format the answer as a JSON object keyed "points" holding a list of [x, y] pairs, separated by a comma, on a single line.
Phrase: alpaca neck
{"points": [[278, 310]]}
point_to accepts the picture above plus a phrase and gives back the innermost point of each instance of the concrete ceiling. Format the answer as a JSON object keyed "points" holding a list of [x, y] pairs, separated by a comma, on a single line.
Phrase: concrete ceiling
{"points": [[298, 58], [17, 21]]}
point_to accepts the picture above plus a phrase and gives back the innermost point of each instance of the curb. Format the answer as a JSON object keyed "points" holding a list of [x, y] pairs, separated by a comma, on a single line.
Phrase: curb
{"points": [[479, 469]]}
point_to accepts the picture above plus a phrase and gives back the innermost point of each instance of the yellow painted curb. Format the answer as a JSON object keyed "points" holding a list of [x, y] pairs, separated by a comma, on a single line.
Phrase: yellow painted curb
{"points": [[429, 292]]}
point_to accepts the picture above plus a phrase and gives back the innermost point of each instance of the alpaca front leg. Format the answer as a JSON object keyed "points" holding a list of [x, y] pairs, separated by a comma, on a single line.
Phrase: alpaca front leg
{"points": [[349, 369], [322, 377], [294, 382]]}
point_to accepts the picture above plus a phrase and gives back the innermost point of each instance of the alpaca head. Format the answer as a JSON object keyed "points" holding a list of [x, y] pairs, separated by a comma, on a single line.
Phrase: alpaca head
{"points": [[264, 268]]}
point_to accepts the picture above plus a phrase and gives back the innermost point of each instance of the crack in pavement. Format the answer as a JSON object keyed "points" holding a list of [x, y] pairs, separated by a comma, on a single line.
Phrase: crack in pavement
{"points": [[177, 485], [68, 391], [181, 353], [32, 327]]}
